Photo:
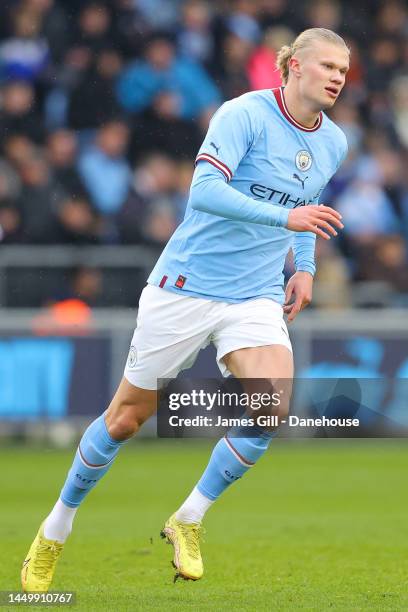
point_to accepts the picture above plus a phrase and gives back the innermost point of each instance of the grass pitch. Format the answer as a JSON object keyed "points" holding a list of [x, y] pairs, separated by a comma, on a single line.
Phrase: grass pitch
{"points": [[318, 525]]}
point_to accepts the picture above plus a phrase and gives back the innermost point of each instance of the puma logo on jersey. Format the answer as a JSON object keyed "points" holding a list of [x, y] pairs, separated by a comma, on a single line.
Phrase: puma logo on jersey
{"points": [[215, 147], [297, 177]]}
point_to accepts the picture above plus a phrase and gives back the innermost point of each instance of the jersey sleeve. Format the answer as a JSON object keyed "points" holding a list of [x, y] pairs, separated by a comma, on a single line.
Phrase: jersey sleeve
{"points": [[232, 130], [211, 194], [303, 248]]}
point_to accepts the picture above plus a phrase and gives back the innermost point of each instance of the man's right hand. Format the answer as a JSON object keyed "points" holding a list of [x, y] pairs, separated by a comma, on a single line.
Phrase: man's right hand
{"points": [[315, 219]]}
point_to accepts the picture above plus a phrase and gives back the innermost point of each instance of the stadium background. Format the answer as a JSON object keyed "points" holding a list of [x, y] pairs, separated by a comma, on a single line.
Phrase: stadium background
{"points": [[103, 106]]}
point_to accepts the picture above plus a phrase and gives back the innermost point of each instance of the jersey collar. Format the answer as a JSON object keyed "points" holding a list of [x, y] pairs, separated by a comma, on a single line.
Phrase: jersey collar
{"points": [[278, 92]]}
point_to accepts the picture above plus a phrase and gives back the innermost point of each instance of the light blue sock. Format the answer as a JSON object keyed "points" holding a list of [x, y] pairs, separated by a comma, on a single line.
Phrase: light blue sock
{"points": [[231, 459], [95, 454]]}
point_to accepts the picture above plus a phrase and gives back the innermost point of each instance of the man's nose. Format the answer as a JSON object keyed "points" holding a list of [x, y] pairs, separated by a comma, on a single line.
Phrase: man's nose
{"points": [[338, 78]]}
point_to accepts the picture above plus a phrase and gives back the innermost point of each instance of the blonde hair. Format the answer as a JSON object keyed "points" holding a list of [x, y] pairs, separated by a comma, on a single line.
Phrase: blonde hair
{"points": [[304, 40]]}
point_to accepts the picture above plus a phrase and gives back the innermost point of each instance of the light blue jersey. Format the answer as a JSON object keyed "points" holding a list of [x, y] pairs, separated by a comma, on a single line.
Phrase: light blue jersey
{"points": [[255, 164]]}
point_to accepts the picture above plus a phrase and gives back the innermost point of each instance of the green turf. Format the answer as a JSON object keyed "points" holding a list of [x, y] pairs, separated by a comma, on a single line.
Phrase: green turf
{"points": [[320, 525]]}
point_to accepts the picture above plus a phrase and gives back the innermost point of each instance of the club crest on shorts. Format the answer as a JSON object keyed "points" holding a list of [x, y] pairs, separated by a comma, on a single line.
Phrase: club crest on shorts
{"points": [[132, 357], [303, 160]]}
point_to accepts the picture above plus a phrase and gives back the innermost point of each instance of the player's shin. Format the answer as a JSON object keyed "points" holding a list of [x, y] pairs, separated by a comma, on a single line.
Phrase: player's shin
{"points": [[231, 458], [95, 454]]}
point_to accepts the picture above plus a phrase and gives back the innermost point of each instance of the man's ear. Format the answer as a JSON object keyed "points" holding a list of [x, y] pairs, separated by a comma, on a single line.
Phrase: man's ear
{"points": [[294, 66]]}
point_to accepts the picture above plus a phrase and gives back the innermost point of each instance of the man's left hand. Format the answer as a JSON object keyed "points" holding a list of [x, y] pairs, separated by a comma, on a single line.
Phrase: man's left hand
{"points": [[298, 294]]}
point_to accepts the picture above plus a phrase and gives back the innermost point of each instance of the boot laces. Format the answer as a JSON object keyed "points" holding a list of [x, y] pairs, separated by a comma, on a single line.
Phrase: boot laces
{"points": [[192, 534], [45, 554]]}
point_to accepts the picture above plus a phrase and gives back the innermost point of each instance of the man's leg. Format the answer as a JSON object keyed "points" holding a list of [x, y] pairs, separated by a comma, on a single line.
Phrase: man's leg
{"points": [[100, 444], [161, 347], [128, 410], [233, 456]]}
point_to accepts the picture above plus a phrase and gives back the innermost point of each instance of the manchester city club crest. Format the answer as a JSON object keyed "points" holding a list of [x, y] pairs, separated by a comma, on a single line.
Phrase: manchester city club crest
{"points": [[303, 160], [132, 357]]}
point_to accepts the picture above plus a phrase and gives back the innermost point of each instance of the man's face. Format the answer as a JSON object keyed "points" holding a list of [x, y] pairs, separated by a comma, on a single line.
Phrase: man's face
{"points": [[321, 70], [160, 54]]}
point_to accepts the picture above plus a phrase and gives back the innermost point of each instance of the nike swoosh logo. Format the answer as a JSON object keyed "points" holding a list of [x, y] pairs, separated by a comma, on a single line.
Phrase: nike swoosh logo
{"points": [[26, 561]]}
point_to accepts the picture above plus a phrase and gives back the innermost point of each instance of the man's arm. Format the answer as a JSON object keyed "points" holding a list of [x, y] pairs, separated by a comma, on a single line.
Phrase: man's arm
{"points": [[300, 285], [211, 194], [303, 248]]}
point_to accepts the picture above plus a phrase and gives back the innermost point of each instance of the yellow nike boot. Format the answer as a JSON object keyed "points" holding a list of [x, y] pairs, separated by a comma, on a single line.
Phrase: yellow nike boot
{"points": [[185, 538], [39, 565]]}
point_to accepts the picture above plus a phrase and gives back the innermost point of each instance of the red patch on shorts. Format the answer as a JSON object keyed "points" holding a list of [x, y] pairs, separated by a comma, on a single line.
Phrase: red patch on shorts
{"points": [[163, 281]]}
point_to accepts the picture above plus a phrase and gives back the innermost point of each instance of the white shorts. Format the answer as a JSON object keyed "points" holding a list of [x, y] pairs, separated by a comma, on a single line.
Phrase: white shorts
{"points": [[172, 328]]}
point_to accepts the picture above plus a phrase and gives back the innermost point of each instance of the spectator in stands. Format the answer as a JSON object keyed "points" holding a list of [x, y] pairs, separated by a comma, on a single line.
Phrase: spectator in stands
{"points": [[393, 175], [392, 19], [93, 33], [262, 71], [94, 26], [242, 21], [38, 202], [231, 74], [160, 222], [274, 13], [366, 209], [131, 27], [17, 148], [77, 222], [346, 116], [186, 88], [10, 223], [160, 128], [324, 14], [149, 214], [18, 114], [63, 318], [62, 153], [86, 284], [332, 281], [105, 170], [382, 62], [25, 54], [92, 101], [194, 35], [53, 19], [384, 259], [160, 13]]}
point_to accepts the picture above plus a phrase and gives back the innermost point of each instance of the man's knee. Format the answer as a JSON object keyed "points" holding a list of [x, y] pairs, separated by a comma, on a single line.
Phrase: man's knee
{"points": [[124, 423], [129, 409]]}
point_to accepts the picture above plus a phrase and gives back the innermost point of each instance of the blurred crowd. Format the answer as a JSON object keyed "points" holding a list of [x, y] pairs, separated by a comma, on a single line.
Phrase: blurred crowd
{"points": [[104, 104]]}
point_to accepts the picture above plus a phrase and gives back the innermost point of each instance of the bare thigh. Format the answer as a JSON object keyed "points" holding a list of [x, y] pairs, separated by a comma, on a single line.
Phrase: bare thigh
{"points": [[264, 369]]}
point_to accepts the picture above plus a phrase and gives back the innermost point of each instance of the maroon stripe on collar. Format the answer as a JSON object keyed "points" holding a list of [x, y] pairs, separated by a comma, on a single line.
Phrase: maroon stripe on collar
{"points": [[278, 93]]}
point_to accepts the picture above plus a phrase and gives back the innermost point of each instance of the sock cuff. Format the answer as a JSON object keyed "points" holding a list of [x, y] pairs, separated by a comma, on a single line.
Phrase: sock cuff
{"points": [[206, 493], [243, 460], [68, 503]]}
